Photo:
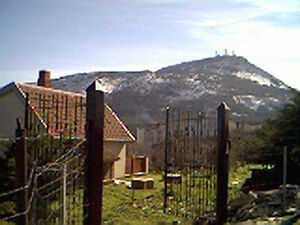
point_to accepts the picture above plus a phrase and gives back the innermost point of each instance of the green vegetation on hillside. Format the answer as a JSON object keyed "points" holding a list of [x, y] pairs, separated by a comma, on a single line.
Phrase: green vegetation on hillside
{"points": [[265, 145]]}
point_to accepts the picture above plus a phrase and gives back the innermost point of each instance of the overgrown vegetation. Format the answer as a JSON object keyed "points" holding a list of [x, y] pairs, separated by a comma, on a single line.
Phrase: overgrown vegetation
{"points": [[265, 145], [7, 179]]}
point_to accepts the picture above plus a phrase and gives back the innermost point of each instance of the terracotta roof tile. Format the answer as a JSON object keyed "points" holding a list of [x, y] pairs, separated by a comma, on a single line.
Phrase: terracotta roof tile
{"points": [[65, 112]]}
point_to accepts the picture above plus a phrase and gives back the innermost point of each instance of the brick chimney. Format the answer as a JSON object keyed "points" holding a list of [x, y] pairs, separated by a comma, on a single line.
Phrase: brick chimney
{"points": [[44, 79]]}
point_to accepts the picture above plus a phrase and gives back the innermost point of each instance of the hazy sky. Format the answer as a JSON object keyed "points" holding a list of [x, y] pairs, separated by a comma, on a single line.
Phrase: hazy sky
{"points": [[69, 36]]}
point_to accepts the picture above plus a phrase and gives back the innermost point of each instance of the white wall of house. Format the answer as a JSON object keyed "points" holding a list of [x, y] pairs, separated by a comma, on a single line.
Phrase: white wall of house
{"points": [[11, 108], [119, 149]]}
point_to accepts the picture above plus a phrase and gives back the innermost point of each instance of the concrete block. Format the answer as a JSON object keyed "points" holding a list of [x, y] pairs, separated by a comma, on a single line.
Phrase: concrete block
{"points": [[149, 183], [174, 178], [137, 183]]}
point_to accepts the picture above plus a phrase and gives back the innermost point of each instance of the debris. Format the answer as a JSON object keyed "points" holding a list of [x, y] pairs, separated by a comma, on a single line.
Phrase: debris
{"points": [[148, 198], [118, 182], [262, 204]]}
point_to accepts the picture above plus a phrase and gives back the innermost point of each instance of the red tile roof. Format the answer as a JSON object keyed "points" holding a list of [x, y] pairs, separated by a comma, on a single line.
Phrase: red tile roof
{"points": [[64, 112]]}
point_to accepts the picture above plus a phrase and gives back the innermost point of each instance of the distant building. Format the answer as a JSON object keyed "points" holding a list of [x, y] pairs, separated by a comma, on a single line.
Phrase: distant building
{"points": [[149, 135]]}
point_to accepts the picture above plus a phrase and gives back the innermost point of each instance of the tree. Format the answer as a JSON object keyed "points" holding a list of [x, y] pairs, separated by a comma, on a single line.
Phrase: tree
{"points": [[283, 130]]}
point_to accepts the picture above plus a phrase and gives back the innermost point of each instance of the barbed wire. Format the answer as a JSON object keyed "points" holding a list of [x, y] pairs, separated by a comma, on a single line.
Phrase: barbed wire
{"points": [[60, 178], [69, 153], [12, 140], [33, 170], [20, 188], [59, 189], [38, 171], [56, 164], [33, 192], [50, 183]]}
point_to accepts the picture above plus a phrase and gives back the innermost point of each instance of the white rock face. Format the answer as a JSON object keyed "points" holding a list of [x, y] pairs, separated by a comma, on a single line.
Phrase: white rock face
{"points": [[254, 102], [254, 77]]}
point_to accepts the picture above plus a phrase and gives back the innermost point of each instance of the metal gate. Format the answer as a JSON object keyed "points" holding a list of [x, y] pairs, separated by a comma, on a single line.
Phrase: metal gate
{"points": [[191, 155]]}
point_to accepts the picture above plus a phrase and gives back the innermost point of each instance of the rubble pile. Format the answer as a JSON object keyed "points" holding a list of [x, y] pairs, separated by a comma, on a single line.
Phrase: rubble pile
{"points": [[261, 204]]}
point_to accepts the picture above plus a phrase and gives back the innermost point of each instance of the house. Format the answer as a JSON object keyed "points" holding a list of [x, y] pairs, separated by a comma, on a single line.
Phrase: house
{"points": [[63, 113]]}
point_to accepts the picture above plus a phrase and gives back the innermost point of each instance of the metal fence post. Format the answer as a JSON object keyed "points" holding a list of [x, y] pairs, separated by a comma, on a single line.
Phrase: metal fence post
{"points": [[94, 159], [21, 171], [284, 178], [63, 210], [222, 163], [166, 159]]}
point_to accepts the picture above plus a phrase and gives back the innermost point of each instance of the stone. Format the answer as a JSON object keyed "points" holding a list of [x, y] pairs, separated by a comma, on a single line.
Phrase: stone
{"points": [[149, 198], [242, 200], [252, 196], [244, 208]]}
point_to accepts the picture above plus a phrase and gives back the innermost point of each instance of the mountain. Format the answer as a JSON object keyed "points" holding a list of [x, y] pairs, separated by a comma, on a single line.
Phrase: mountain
{"points": [[252, 94]]}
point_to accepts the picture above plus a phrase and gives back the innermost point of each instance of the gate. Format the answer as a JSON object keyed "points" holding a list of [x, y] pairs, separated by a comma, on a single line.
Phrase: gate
{"points": [[192, 150]]}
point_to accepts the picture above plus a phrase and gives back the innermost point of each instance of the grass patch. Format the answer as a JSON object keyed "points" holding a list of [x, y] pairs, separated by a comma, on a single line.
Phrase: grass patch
{"points": [[125, 206]]}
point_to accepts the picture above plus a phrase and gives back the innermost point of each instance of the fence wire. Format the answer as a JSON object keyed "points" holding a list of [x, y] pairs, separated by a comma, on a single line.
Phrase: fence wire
{"points": [[55, 160]]}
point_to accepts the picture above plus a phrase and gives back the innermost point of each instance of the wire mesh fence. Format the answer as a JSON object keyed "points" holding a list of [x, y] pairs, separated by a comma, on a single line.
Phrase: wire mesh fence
{"points": [[49, 160]]}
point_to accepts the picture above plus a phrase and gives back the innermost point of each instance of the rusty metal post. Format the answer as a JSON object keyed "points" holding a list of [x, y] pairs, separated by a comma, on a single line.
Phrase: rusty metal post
{"points": [[284, 205], [94, 159], [21, 171], [222, 163], [63, 195], [166, 159]]}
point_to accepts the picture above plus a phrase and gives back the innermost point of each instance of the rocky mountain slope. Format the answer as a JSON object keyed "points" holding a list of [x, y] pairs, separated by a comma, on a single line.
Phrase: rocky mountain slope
{"points": [[140, 97]]}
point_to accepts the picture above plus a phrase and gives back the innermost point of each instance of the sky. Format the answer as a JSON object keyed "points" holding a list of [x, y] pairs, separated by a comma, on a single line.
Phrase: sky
{"points": [[72, 36]]}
